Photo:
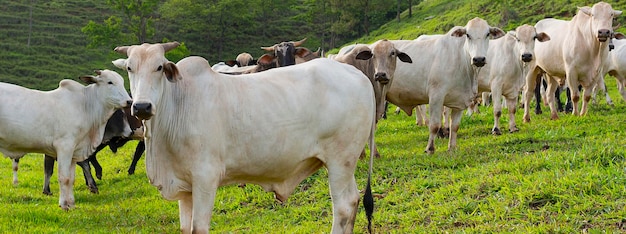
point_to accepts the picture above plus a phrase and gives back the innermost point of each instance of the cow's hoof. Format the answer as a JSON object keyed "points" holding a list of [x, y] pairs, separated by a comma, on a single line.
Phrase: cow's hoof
{"points": [[496, 132]]}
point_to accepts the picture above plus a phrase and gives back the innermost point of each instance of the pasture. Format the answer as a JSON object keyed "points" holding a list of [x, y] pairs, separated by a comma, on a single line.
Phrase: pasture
{"points": [[563, 176]]}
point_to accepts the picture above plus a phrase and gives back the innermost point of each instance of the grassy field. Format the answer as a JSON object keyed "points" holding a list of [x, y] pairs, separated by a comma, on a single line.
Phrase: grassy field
{"points": [[563, 176]]}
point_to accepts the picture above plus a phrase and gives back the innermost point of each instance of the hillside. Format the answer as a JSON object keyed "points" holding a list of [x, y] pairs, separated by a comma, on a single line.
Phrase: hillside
{"points": [[57, 47], [438, 16]]}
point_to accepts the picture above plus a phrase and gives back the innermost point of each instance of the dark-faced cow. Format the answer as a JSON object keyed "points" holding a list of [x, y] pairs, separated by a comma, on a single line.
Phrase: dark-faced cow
{"points": [[443, 73], [66, 123], [575, 54], [273, 128]]}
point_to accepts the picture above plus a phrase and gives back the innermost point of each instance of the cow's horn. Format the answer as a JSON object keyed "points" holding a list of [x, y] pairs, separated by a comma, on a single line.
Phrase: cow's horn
{"points": [[170, 45], [300, 42]]}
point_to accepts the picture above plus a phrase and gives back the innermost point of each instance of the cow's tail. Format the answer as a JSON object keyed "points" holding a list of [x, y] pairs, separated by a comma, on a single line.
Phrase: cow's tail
{"points": [[368, 198]]}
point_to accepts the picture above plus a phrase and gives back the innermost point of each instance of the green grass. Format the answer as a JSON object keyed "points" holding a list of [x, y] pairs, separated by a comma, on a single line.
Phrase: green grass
{"points": [[508, 183]]}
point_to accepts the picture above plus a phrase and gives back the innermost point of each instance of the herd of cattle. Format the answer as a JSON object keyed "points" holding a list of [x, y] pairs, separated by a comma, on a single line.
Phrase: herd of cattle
{"points": [[276, 120]]}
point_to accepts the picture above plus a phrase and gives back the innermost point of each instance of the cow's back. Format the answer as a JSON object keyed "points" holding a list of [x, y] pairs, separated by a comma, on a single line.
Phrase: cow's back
{"points": [[263, 128], [29, 119], [549, 54]]}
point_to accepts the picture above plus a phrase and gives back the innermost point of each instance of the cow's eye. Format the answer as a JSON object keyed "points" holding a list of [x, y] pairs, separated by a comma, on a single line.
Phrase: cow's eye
{"points": [[110, 82], [393, 53], [160, 68], [128, 68], [468, 36]]}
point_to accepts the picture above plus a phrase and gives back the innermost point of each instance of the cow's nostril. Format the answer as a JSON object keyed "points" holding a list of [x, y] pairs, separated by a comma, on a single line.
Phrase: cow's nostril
{"points": [[479, 61], [527, 57], [129, 102]]}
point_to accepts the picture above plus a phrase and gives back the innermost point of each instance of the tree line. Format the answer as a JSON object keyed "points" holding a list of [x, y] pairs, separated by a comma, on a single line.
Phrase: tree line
{"points": [[220, 29]]}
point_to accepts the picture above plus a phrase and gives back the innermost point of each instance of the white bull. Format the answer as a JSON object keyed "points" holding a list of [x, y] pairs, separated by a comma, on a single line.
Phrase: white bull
{"points": [[66, 123], [575, 54], [443, 73], [275, 128], [510, 56]]}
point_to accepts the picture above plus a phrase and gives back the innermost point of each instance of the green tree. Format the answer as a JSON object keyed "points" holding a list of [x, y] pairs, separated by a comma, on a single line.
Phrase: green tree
{"points": [[139, 16]]}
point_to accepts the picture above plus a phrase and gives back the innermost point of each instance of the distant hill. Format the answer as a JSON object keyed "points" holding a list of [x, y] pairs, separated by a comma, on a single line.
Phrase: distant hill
{"points": [[41, 43], [439, 16]]}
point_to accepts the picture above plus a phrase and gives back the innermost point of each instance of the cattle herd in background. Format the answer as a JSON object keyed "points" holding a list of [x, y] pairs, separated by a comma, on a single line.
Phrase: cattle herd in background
{"points": [[274, 124]]}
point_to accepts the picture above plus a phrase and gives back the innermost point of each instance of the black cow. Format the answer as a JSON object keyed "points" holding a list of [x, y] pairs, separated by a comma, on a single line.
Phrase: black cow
{"points": [[119, 130]]}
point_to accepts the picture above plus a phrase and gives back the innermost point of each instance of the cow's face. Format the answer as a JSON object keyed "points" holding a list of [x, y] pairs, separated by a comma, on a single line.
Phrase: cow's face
{"points": [[602, 15], [147, 70], [111, 86], [285, 52], [478, 33], [525, 36], [385, 56]]}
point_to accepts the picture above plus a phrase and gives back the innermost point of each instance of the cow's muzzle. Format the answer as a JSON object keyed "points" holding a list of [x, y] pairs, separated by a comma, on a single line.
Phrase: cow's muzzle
{"points": [[142, 110], [479, 61], [381, 78], [604, 35], [527, 57]]}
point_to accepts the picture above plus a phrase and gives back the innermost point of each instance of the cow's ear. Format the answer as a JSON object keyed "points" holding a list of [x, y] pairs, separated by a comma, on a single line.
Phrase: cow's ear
{"points": [[120, 63], [513, 34], [364, 55], [404, 57], [459, 32], [302, 52], [496, 33], [88, 79], [231, 63], [586, 10], [541, 37], [171, 72], [619, 35], [266, 59]]}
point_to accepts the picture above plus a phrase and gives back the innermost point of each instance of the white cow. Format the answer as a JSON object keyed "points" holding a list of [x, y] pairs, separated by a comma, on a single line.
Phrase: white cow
{"points": [[616, 65], [204, 129], [575, 53], [66, 123], [378, 62], [505, 74], [443, 73]]}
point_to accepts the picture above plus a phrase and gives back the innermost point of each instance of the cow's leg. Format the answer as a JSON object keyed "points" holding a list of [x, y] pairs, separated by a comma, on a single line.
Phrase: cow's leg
{"points": [[185, 209], [497, 109], [16, 163], [89, 180], [455, 121], [606, 94], [444, 130], [538, 81], [435, 112], [587, 91], [66, 171], [621, 82], [572, 83], [344, 194], [420, 115], [203, 198], [48, 169], [510, 103], [531, 83], [141, 147], [93, 160], [552, 86]]}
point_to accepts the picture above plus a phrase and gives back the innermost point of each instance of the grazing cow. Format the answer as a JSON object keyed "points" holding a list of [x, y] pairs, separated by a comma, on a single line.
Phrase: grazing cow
{"points": [[575, 54], [66, 123], [242, 60], [283, 54], [505, 75], [273, 128], [443, 73], [378, 63]]}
